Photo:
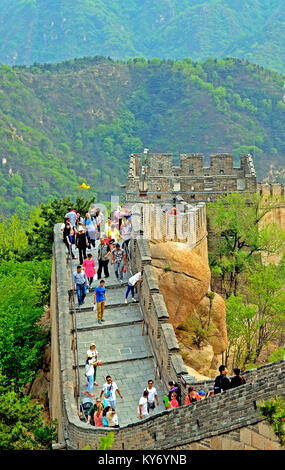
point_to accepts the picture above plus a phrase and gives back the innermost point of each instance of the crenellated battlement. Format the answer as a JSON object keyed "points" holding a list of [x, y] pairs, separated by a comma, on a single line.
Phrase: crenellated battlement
{"points": [[271, 189], [157, 178]]}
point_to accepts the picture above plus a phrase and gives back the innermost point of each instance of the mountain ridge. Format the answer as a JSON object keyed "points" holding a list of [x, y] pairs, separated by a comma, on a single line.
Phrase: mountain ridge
{"points": [[39, 31], [78, 121]]}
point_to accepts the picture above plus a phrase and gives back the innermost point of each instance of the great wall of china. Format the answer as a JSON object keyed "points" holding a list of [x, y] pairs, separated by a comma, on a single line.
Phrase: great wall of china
{"points": [[144, 343]]}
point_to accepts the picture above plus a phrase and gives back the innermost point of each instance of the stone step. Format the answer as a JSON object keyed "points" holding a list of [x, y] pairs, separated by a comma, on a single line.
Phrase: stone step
{"points": [[115, 344], [122, 315], [131, 377], [114, 298]]}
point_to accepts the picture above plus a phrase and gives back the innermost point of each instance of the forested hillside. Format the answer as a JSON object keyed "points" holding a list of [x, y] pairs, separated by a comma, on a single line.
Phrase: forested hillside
{"points": [[55, 30], [64, 124]]}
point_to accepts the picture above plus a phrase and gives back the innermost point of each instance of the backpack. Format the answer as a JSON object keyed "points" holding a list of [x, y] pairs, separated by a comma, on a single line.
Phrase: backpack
{"points": [[87, 369], [91, 220]]}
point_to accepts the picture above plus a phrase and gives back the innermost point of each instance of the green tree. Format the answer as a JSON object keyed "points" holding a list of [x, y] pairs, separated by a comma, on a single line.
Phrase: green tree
{"points": [[25, 288], [40, 232], [21, 422], [13, 237], [264, 288], [240, 236], [273, 410], [257, 317]]}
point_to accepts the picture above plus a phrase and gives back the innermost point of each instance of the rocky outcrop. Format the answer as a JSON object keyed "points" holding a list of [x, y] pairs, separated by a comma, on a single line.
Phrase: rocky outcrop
{"points": [[184, 280], [218, 337]]}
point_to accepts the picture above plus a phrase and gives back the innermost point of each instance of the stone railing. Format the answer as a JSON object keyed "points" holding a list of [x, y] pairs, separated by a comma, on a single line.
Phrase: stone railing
{"points": [[157, 222], [169, 363]]}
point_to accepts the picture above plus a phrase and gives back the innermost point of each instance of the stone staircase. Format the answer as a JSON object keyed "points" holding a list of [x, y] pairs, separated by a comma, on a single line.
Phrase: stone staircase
{"points": [[123, 348]]}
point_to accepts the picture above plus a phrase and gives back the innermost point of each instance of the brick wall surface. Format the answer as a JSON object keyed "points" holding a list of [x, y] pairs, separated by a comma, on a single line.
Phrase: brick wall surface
{"points": [[191, 178]]}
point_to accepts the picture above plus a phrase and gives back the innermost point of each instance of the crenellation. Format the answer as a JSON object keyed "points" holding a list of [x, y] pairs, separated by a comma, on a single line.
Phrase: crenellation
{"points": [[162, 181], [272, 189]]}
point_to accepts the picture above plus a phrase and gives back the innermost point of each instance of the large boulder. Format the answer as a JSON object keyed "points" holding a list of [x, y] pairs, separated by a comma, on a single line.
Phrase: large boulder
{"points": [[184, 281], [183, 278], [198, 359], [218, 338]]}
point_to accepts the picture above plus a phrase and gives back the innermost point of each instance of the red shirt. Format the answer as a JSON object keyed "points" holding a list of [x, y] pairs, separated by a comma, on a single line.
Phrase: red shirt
{"points": [[174, 403], [98, 420]]}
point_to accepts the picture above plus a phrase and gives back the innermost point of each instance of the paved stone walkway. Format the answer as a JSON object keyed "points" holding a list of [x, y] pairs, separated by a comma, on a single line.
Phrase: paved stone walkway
{"points": [[126, 354]]}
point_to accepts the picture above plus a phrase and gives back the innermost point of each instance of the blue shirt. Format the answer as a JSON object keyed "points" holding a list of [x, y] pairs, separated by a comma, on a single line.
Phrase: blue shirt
{"points": [[100, 294]]}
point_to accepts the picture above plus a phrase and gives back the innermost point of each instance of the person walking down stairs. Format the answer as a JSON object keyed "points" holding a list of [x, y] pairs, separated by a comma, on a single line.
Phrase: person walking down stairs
{"points": [[80, 284], [89, 371], [99, 300], [138, 277], [118, 259]]}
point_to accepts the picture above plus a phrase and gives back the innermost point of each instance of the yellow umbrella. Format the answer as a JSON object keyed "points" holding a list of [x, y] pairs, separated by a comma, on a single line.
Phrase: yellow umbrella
{"points": [[84, 186]]}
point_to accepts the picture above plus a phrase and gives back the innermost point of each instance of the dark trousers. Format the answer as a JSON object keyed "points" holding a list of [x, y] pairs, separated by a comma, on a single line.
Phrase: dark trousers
{"points": [[69, 247], [103, 265], [91, 241], [82, 254], [81, 293], [132, 289]]}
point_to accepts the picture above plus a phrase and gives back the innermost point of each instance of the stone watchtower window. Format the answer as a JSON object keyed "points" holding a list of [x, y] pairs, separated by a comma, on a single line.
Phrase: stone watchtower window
{"points": [[222, 172], [192, 196], [191, 169], [160, 171]]}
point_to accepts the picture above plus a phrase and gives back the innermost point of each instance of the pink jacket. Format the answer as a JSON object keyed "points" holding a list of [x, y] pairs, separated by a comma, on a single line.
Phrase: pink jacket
{"points": [[98, 420], [89, 266]]}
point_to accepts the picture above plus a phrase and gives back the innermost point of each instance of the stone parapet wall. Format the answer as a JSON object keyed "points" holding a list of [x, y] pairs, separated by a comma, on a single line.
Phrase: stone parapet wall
{"points": [[157, 223], [268, 371], [169, 363], [258, 436], [273, 189]]}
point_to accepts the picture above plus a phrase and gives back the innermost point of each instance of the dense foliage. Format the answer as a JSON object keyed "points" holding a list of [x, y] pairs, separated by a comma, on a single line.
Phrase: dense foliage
{"points": [[21, 423], [56, 30], [65, 124], [255, 318], [240, 235], [273, 410], [24, 292], [241, 241]]}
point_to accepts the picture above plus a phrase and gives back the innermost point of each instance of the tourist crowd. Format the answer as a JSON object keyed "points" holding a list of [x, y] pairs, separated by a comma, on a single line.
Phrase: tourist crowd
{"points": [[111, 243]]}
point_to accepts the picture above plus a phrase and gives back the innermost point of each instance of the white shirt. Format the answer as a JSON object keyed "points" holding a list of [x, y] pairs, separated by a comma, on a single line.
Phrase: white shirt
{"points": [[134, 279], [107, 387], [143, 402], [126, 231], [92, 353], [72, 217], [151, 393], [107, 229], [89, 369], [99, 218]]}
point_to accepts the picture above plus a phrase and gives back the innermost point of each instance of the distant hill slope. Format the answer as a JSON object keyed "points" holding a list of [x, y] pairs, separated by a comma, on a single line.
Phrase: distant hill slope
{"points": [[78, 121], [56, 30]]}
